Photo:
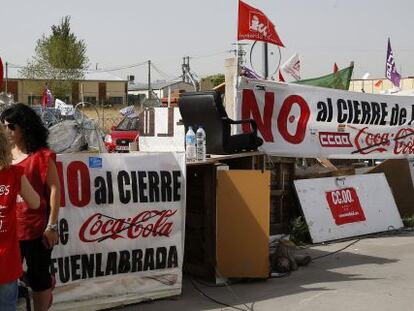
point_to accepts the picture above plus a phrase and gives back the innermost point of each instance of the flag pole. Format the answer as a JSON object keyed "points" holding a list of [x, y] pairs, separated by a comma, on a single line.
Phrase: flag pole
{"points": [[237, 44], [235, 84], [265, 61]]}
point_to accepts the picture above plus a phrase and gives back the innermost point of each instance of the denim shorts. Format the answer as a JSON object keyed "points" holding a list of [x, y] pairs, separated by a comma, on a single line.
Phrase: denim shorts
{"points": [[8, 296]]}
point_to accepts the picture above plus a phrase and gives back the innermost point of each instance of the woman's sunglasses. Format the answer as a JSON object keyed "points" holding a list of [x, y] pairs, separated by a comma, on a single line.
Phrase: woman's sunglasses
{"points": [[10, 126]]}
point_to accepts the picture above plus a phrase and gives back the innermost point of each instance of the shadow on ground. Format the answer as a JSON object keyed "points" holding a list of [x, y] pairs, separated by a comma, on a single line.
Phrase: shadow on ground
{"points": [[306, 279]]}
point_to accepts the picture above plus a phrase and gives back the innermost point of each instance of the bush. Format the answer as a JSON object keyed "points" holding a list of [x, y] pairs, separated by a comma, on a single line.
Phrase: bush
{"points": [[408, 222], [299, 231]]}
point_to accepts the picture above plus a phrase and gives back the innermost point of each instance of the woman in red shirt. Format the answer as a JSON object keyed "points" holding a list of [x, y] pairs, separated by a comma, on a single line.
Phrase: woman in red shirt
{"points": [[12, 182], [36, 230]]}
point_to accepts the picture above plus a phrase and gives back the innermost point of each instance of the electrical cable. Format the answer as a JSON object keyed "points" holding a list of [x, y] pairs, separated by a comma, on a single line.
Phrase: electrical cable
{"points": [[288, 273], [118, 68], [207, 284], [215, 300], [390, 231], [160, 72], [228, 287], [337, 251], [209, 55], [110, 69]]}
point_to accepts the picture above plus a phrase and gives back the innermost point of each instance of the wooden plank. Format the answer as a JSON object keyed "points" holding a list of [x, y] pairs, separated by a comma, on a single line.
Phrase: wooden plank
{"points": [[397, 172], [243, 223], [213, 158]]}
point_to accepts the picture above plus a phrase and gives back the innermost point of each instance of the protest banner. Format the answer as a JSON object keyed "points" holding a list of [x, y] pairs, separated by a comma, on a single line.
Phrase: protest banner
{"points": [[121, 229], [305, 121]]}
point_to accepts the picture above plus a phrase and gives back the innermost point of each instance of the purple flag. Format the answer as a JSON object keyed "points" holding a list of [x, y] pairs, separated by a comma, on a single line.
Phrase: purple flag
{"points": [[246, 72], [390, 70]]}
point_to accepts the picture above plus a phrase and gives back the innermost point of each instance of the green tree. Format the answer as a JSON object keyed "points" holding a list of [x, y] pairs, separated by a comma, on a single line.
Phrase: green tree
{"points": [[216, 79], [60, 58], [209, 82]]}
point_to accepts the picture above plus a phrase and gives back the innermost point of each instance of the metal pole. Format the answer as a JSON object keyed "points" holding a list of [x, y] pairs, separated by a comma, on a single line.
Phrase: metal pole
{"points": [[7, 77], [169, 97], [265, 61], [149, 82], [183, 69], [188, 66], [238, 69], [103, 113]]}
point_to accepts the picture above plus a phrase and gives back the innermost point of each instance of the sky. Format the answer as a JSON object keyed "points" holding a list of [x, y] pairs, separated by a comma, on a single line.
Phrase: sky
{"points": [[126, 32]]}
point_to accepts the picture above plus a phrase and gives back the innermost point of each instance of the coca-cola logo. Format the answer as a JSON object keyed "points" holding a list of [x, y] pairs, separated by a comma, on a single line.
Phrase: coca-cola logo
{"points": [[367, 142], [99, 227], [404, 141]]}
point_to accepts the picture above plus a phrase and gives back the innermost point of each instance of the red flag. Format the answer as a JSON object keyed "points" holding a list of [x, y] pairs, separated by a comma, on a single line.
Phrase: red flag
{"points": [[378, 83], [254, 25], [335, 68], [1, 74], [44, 98], [47, 98], [281, 79]]}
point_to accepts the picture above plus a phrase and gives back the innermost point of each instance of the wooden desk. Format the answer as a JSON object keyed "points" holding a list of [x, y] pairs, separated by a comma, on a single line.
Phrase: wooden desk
{"points": [[201, 238], [246, 160]]}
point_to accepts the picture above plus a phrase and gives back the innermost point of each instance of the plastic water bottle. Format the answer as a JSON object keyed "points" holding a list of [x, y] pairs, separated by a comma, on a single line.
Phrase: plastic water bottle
{"points": [[200, 144], [190, 144]]}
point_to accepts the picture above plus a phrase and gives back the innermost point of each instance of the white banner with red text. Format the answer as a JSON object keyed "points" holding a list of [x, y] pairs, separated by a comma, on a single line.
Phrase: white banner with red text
{"points": [[305, 121], [161, 130], [121, 229]]}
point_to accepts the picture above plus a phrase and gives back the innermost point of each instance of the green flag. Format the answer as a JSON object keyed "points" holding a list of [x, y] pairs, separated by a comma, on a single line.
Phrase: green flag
{"points": [[338, 80]]}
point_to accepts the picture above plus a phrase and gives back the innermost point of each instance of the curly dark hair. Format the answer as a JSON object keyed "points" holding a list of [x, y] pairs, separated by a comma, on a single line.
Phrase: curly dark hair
{"points": [[35, 134]]}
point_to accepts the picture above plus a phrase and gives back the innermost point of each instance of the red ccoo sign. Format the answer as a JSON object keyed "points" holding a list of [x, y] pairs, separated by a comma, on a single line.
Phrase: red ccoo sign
{"points": [[345, 206]]}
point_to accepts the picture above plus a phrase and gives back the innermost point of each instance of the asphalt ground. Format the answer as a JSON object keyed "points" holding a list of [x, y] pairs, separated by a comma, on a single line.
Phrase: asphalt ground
{"points": [[371, 273]]}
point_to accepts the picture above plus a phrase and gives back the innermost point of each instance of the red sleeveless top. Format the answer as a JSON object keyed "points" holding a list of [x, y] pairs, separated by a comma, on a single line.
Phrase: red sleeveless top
{"points": [[10, 262], [31, 223]]}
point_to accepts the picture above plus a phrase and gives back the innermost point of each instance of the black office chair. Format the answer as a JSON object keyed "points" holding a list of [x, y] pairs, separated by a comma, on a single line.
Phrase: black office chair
{"points": [[206, 109]]}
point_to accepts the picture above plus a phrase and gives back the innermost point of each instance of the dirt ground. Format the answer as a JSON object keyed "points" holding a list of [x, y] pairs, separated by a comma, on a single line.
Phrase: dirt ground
{"points": [[106, 117]]}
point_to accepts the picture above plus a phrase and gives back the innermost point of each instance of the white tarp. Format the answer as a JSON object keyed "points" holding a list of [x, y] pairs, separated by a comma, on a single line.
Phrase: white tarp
{"points": [[161, 130], [346, 206], [121, 228], [65, 109], [305, 121], [73, 136]]}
